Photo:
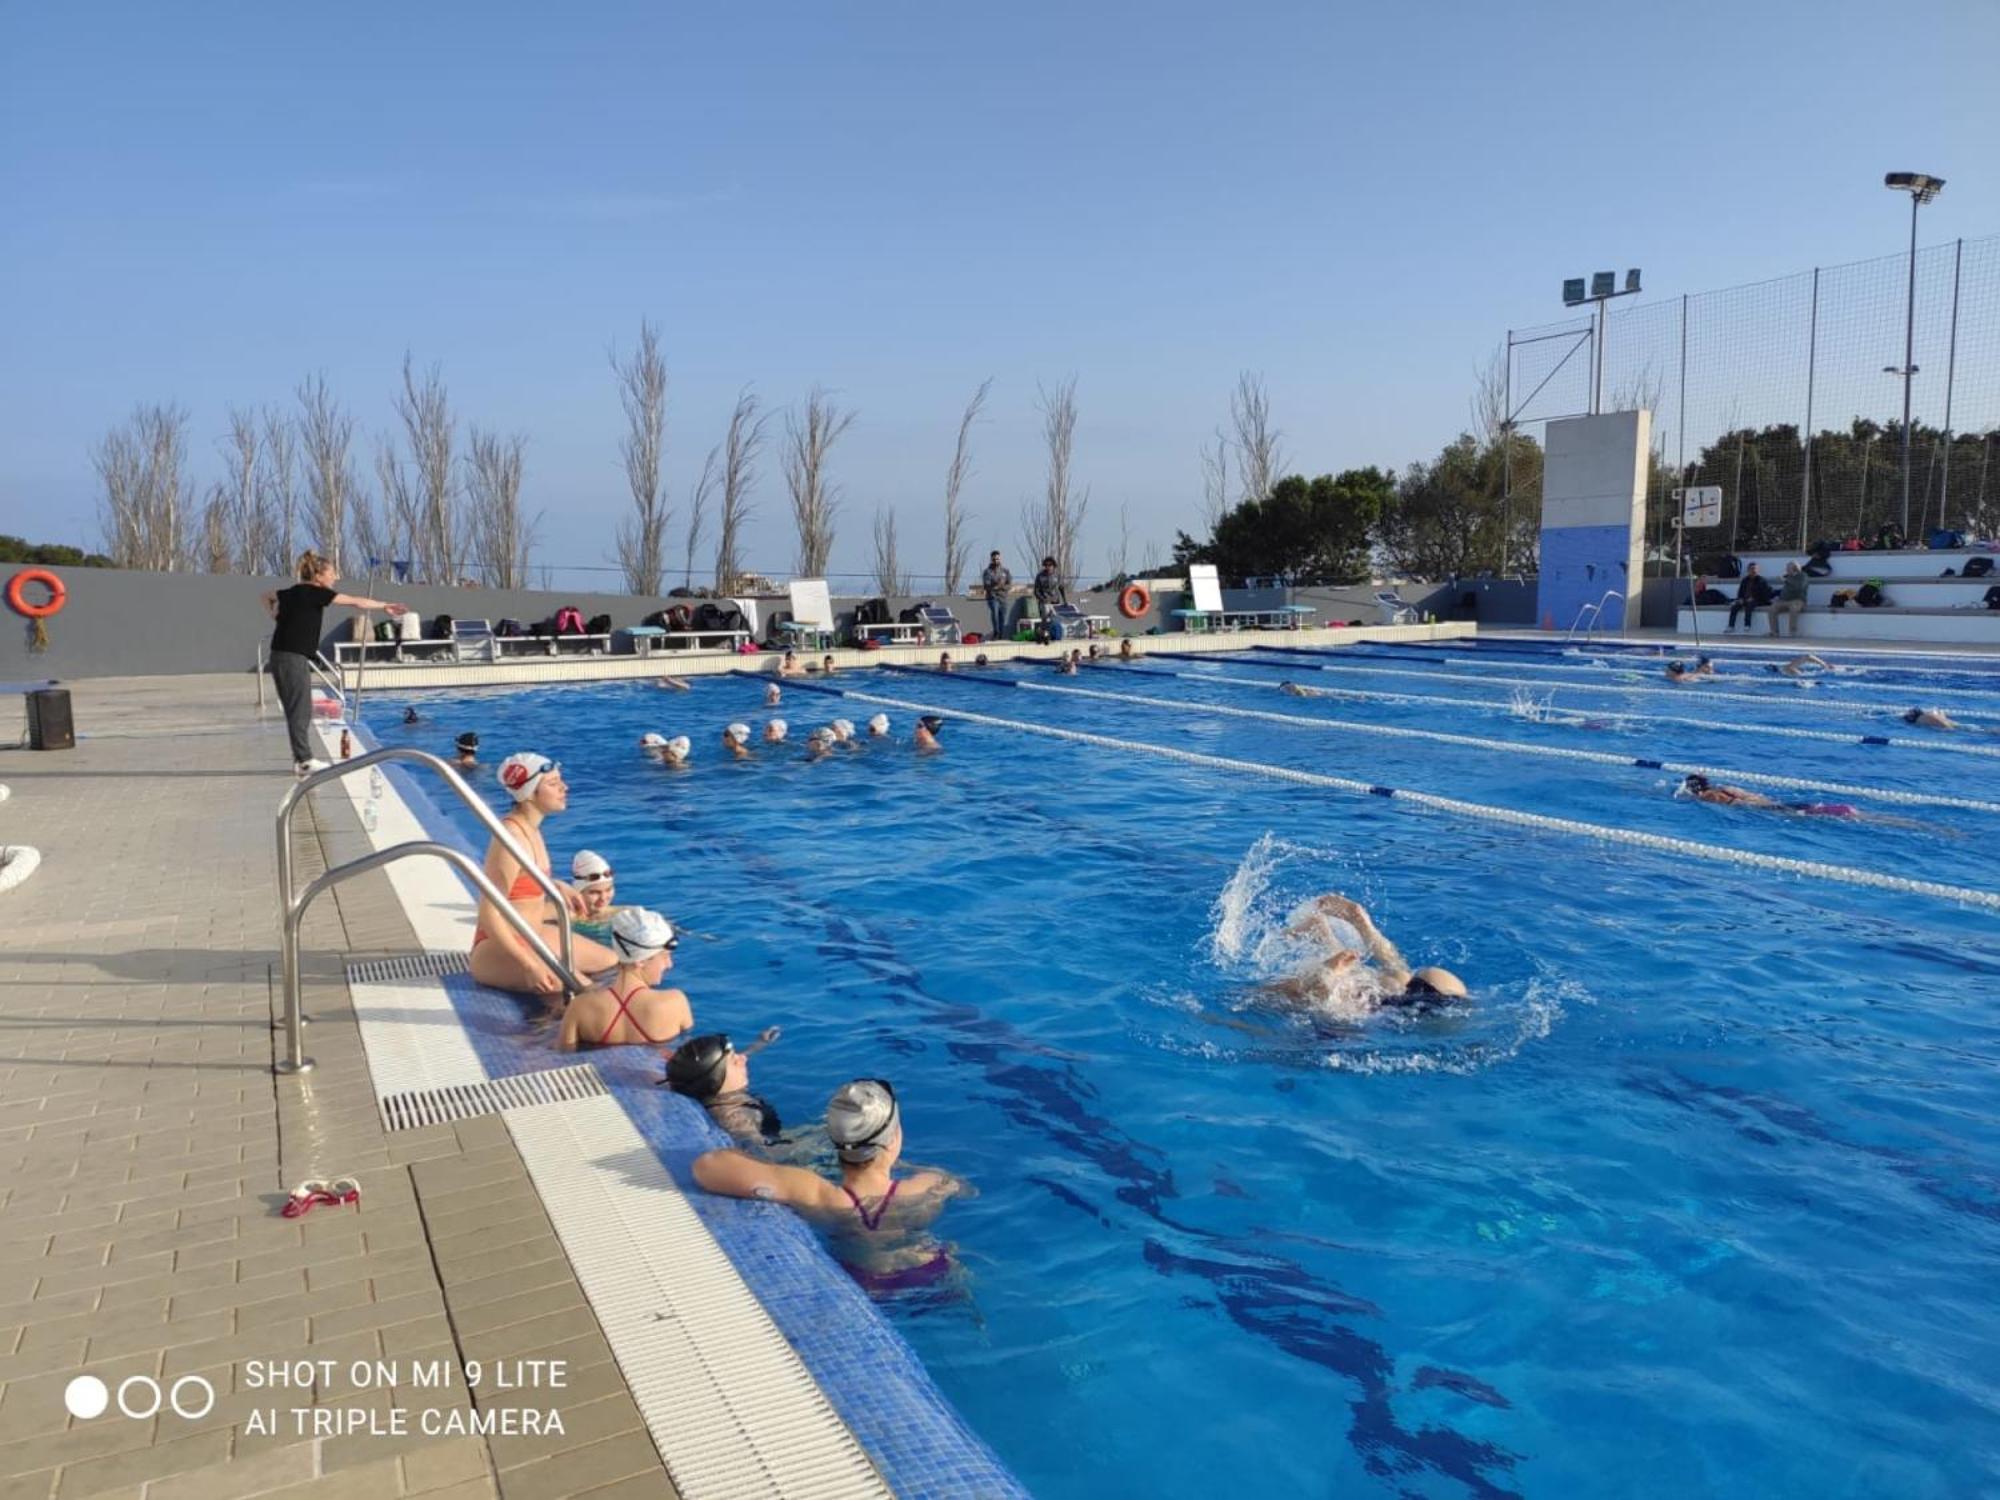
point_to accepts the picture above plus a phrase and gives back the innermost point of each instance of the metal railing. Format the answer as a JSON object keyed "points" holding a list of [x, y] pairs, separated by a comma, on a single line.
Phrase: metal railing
{"points": [[291, 909], [1594, 613], [329, 678]]}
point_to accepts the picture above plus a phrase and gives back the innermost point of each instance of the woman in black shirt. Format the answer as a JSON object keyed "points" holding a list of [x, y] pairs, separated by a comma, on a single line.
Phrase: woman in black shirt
{"points": [[300, 612]]}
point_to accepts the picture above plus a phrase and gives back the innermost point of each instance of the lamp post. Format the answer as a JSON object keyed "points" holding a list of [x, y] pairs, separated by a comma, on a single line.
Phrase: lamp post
{"points": [[1922, 189], [1603, 287]]}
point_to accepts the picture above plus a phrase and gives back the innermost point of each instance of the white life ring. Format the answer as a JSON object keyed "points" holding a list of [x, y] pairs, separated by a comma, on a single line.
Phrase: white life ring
{"points": [[17, 863]]}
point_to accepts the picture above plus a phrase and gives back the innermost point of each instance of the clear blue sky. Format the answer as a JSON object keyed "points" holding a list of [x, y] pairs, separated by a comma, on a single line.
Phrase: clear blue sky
{"points": [[202, 204]]}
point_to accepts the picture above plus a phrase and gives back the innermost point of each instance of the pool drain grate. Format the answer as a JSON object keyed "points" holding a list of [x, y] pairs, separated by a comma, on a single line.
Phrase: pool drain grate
{"points": [[465, 1101], [408, 966]]}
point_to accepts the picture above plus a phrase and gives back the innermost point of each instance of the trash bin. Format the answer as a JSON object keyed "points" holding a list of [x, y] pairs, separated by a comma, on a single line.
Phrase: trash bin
{"points": [[50, 726]]}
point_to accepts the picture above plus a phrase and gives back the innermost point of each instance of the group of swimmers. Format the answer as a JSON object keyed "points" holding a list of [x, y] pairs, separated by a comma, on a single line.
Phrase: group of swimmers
{"points": [[878, 1222]]}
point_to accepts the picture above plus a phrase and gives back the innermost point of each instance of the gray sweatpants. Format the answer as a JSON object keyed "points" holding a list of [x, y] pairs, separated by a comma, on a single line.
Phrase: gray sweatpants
{"points": [[293, 676]]}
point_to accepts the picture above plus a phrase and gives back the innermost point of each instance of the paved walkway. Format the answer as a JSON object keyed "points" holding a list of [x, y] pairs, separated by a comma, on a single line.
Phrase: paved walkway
{"points": [[146, 1148]]}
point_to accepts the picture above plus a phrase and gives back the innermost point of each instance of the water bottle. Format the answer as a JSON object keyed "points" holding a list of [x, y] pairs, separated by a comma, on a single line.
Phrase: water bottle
{"points": [[368, 817], [374, 782]]}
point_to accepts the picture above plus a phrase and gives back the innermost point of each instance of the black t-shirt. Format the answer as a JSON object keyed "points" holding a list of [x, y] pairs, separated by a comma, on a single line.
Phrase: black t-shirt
{"points": [[301, 618]]}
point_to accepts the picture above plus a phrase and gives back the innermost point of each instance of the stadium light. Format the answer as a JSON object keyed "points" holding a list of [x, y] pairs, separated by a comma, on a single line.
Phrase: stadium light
{"points": [[1603, 287], [1922, 189]]}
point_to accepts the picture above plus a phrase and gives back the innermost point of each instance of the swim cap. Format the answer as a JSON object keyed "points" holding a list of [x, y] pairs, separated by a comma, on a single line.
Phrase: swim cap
{"points": [[680, 744], [738, 732], [843, 729], [468, 741], [776, 728], [879, 724], [639, 934], [931, 722], [589, 867], [823, 736], [523, 771], [652, 741], [859, 1116], [699, 1065]]}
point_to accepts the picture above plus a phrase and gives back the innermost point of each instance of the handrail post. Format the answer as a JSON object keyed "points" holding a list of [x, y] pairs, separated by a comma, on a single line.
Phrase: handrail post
{"points": [[261, 669], [295, 1059]]}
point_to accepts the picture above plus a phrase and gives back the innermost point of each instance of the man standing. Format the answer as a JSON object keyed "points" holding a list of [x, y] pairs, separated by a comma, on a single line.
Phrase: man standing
{"points": [[1791, 599], [998, 583], [1049, 590]]}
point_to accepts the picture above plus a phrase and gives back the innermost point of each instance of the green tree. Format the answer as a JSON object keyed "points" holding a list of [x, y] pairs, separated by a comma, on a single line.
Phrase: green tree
{"points": [[1305, 529], [1472, 507], [14, 549]]}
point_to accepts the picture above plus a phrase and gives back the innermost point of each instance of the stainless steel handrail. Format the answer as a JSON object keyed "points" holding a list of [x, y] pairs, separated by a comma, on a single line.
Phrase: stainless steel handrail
{"points": [[566, 970], [263, 667], [1595, 612], [295, 1059]]}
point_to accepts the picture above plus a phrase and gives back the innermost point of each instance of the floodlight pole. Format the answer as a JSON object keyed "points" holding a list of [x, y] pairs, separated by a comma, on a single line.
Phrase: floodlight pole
{"points": [[1909, 358]]}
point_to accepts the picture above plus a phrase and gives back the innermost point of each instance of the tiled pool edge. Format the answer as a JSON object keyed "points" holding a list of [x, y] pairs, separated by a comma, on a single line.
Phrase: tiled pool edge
{"points": [[871, 1377]]}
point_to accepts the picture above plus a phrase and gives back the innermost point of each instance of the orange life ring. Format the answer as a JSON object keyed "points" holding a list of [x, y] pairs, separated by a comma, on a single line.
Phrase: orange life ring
{"points": [[1134, 600], [17, 599]]}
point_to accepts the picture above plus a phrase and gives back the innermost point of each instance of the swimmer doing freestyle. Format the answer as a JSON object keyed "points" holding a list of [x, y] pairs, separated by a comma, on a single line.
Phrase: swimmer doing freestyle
{"points": [[878, 1223], [1396, 983], [1718, 794]]}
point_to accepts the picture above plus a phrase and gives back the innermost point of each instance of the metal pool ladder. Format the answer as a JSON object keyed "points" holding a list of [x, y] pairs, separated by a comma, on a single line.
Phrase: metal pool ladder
{"points": [[292, 908], [1593, 613]]}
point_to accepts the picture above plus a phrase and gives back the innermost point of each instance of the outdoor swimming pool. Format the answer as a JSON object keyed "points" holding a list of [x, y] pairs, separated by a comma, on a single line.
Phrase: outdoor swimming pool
{"points": [[1699, 1196]]}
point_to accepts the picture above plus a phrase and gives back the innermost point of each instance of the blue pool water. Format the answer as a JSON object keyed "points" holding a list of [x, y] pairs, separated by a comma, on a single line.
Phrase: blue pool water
{"points": [[1700, 1197]]}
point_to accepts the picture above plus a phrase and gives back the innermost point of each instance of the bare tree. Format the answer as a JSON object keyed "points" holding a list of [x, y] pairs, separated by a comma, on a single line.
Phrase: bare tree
{"points": [[809, 440], [326, 433], [147, 494], [245, 523], [1259, 458], [740, 450], [642, 391], [698, 498], [278, 492], [1119, 557], [372, 532], [402, 512], [1049, 527], [502, 537], [217, 550], [957, 550], [1215, 482], [425, 408], [1489, 400], [890, 579]]}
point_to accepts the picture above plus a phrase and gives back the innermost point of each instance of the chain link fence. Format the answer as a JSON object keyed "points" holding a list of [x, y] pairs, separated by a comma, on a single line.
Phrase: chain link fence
{"points": [[1788, 394]]}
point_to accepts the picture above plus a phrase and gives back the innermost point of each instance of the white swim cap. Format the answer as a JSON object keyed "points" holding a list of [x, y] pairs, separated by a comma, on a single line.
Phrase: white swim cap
{"points": [[523, 771], [843, 729], [859, 1116], [738, 732], [680, 744], [652, 741], [879, 724], [823, 736], [639, 934], [776, 729], [589, 867]]}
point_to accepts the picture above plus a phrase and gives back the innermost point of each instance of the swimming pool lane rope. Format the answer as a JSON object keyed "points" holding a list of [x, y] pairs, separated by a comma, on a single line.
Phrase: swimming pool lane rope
{"points": [[1814, 705], [1490, 705], [1592, 757], [1484, 812], [1651, 675]]}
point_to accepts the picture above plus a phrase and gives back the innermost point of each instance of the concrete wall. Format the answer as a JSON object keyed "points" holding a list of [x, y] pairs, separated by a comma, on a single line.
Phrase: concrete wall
{"points": [[131, 624], [1593, 516]]}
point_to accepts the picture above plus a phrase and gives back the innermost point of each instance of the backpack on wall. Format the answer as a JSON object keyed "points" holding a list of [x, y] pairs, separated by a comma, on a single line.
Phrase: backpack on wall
{"points": [[1993, 597], [512, 629], [872, 612], [1870, 595], [566, 621], [441, 628], [1976, 567], [599, 625]]}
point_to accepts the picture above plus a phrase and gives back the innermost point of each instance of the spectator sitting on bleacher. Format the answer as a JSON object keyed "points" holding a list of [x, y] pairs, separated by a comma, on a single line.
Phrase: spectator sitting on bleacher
{"points": [[1754, 590], [1791, 599]]}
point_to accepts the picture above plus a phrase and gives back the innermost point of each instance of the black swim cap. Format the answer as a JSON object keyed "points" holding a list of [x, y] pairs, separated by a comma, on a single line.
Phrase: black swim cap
{"points": [[1911, 715], [468, 741], [698, 1066], [932, 722]]}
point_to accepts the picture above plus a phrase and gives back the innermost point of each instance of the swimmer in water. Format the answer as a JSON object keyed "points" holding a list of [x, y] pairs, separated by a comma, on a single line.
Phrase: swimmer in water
{"points": [[1396, 983], [1293, 690], [878, 727], [1719, 794], [926, 737], [708, 1070], [673, 684], [773, 696], [878, 1223], [467, 746], [626, 1010], [1125, 651], [411, 716], [826, 666], [675, 752], [651, 744], [789, 664], [1680, 672], [775, 731], [819, 744], [944, 662], [591, 874], [1066, 665], [1935, 718], [1801, 666], [736, 740], [843, 733]]}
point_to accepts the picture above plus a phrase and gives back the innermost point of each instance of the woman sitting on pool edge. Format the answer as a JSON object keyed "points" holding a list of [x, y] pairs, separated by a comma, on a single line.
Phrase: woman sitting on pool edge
{"points": [[627, 1010], [878, 1223], [500, 959]]}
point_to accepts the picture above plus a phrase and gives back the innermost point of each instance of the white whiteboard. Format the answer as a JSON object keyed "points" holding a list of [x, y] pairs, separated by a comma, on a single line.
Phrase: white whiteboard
{"points": [[1207, 587], [811, 605]]}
